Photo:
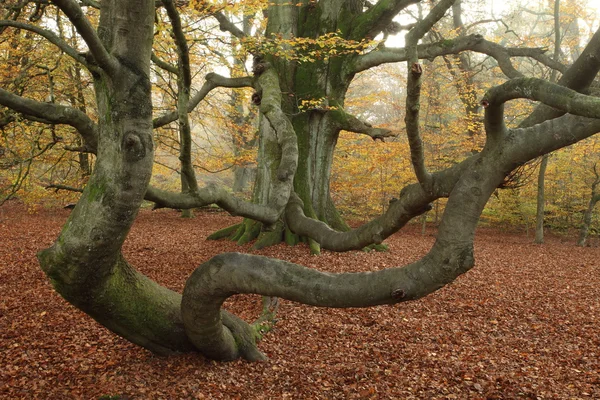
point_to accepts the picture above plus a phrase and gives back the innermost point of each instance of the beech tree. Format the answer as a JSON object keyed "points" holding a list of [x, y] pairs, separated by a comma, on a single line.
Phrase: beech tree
{"points": [[300, 96]]}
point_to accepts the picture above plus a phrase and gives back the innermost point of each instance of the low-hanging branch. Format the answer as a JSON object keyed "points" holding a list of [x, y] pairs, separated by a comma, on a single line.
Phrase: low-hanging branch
{"points": [[54, 113], [213, 81], [412, 202]]}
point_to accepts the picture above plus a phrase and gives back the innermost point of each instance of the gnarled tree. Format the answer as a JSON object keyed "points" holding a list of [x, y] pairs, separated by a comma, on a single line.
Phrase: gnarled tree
{"points": [[86, 266]]}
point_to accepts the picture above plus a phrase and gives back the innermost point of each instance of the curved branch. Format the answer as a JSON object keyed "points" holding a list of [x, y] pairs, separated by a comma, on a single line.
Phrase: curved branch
{"points": [[474, 43], [413, 90], [212, 194], [553, 95], [53, 113], [413, 201], [526, 144], [51, 37], [428, 51], [83, 26], [164, 65], [213, 81], [578, 77]]}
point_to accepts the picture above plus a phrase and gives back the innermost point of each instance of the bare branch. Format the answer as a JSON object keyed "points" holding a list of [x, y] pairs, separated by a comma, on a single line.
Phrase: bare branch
{"points": [[83, 26], [374, 21], [227, 26], [51, 37], [53, 113], [164, 65], [351, 123], [212, 81]]}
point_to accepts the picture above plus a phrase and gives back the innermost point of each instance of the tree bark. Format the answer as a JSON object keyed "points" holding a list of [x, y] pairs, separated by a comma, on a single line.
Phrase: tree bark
{"points": [[587, 215], [539, 215]]}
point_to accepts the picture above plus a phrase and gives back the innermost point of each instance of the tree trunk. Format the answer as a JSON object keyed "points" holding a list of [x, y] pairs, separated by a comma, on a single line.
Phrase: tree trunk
{"points": [[322, 84], [587, 216], [85, 264], [539, 216]]}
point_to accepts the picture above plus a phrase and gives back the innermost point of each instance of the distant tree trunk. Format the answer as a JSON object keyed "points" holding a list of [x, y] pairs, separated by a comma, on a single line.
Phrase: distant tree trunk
{"points": [[316, 126], [539, 216], [587, 216]]}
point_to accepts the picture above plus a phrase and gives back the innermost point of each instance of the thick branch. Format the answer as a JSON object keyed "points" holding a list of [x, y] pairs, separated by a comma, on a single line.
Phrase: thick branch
{"points": [[53, 113], [553, 95], [413, 201], [226, 25], [578, 77], [83, 26], [212, 81], [413, 90], [526, 144], [372, 22], [351, 123], [51, 37], [212, 194]]}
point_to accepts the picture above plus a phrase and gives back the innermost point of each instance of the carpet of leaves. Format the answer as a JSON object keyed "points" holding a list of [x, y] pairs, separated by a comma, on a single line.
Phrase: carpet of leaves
{"points": [[524, 323]]}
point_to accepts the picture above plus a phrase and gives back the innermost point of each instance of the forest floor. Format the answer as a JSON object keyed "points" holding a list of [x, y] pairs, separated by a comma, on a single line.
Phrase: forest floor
{"points": [[524, 323]]}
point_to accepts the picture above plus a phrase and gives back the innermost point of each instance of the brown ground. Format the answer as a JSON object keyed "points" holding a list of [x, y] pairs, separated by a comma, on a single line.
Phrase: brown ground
{"points": [[524, 323]]}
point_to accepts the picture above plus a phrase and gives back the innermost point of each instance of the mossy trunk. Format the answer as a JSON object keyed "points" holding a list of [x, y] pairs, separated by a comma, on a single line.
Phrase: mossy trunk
{"points": [[323, 84], [85, 264]]}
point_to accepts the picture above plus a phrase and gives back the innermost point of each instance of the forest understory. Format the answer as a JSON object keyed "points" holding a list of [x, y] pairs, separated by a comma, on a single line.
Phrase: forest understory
{"points": [[524, 323]]}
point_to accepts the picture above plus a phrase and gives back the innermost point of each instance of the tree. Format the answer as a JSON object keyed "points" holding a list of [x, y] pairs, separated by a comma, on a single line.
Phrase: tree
{"points": [[587, 215], [85, 264]]}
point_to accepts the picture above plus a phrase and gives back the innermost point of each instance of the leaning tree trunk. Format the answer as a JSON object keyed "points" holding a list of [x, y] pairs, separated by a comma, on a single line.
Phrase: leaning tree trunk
{"points": [[85, 264]]}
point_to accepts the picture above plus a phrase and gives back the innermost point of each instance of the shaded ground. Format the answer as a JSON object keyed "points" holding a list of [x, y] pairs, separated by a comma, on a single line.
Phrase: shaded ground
{"points": [[523, 324]]}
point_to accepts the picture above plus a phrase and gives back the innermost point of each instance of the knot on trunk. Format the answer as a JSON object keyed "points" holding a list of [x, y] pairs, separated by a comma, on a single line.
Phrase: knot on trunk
{"points": [[135, 146], [416, 69], [257, 98], [398, 294]]}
